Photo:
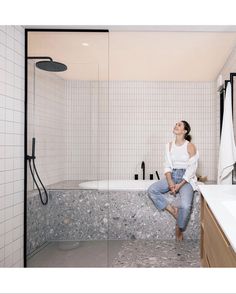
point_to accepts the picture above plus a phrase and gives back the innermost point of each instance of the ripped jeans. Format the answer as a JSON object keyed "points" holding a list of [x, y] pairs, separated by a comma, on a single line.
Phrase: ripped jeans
{"points": [[157, 190]]}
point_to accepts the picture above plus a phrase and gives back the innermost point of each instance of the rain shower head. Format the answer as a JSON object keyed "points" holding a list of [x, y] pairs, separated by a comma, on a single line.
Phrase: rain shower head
{"points": [[49, 65]]}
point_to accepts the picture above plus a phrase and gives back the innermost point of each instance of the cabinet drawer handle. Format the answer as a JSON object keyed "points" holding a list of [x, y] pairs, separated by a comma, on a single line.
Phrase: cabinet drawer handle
{"points": [[218, 226]]}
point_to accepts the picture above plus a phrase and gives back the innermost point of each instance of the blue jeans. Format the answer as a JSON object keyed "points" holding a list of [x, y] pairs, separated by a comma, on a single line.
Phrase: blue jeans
{"points": [[157, 190]]}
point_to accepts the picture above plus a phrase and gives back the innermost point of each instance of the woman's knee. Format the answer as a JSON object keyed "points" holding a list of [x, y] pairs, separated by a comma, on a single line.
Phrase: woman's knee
{"points": [[187, 189], [153, 189]]}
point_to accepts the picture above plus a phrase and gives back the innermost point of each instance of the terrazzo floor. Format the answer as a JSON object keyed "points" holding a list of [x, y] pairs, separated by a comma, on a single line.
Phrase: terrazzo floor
{"points": [[118, 253]]}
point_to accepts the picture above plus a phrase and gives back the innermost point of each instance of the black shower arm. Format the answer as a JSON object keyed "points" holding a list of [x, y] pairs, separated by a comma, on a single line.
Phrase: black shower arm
{"points": [[39, 57]]}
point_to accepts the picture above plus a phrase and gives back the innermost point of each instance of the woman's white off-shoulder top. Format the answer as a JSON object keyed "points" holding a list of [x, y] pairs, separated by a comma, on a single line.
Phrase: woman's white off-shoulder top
{"points": [[175, 158]]}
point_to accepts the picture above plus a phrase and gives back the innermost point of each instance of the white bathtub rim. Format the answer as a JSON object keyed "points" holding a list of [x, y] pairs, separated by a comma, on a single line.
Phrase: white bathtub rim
{"points": [[118, 185]]}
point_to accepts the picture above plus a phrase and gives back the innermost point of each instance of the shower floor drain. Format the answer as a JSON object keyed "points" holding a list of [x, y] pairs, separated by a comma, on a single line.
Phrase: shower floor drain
{"points": [[68, 245]]}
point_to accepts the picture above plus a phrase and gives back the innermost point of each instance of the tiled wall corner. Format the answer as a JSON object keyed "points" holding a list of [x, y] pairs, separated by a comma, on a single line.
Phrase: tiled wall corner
{"points": [[11, 145]]}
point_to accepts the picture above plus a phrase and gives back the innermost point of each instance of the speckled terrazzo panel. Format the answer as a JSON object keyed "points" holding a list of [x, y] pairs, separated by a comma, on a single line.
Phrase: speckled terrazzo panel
{"points": [[158, 253], [69, 215], [79, 215], [38, 221], [134, 216], [95, 215]]}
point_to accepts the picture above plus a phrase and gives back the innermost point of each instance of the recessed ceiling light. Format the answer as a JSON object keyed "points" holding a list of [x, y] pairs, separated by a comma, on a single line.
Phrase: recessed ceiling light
{"points": [[85, 44]]}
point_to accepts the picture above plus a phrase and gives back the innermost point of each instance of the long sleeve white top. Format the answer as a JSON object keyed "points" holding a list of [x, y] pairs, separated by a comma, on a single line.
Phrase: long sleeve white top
{"points": [[190, 173]]}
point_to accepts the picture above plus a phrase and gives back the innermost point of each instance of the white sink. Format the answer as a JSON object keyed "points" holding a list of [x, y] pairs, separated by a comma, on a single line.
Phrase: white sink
{"points": [[230, 205], [231, 190]]}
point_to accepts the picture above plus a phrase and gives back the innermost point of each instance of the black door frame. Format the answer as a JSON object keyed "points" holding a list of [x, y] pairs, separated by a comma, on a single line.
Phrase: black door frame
{"points": [[26, 113]]}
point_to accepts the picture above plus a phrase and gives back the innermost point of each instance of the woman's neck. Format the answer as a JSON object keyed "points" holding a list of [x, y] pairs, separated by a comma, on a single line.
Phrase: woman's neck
{"points": [[179, 140]]}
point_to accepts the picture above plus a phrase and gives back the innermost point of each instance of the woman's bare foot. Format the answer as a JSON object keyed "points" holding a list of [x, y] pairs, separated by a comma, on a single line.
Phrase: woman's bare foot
{"points": [[178, 234], [175, 212], [172, 210]]}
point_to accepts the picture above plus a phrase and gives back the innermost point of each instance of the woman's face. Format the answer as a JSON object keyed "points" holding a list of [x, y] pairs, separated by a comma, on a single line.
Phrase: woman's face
{"points": [[179, 129]]}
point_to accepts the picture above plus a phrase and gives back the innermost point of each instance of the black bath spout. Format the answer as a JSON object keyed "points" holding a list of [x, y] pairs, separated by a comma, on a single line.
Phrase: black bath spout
{"points": [[157, 175], [143, 168]]}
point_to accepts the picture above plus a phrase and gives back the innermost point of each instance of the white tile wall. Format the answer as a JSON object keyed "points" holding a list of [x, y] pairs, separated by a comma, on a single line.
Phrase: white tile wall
{"points": [[141, 119], [134, 124], [87, 130], [87, 135], [11, 145], [79, 129], [66, 130], [47, 123]]}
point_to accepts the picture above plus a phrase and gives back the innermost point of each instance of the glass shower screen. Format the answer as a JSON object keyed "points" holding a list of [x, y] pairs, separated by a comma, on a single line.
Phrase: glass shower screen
{"points": [[68, 117]]}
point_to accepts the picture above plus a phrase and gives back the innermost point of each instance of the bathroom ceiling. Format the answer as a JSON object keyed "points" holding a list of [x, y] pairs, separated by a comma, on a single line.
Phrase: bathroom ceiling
{"points": [[149, 55]]}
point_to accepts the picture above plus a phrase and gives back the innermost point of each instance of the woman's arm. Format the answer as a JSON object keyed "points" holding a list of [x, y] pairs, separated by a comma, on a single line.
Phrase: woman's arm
{"points": [[192, 165], [191, 149], [169, 179]]}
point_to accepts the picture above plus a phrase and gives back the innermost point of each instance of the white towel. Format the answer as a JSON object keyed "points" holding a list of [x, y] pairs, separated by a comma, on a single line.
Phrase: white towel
{"points": [[227, 152]]}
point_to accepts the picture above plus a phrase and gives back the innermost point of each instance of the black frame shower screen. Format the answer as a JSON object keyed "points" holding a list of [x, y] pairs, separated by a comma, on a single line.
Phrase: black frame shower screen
{"points": [[26, 113]]}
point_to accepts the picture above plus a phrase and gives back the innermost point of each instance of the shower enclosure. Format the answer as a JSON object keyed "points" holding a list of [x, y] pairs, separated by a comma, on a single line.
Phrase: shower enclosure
{"points": [[67, 130]]}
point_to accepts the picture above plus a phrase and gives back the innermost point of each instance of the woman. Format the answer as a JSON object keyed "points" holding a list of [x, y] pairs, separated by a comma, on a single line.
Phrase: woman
{"points": [[181, 160]]}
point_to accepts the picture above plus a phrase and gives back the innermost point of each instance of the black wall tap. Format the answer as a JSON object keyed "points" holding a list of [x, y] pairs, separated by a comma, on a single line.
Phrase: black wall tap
{"points": [[143, 168]]}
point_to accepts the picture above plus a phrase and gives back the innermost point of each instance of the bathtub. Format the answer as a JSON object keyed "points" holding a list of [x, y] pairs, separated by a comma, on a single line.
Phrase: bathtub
{"points": [[118, 185]]}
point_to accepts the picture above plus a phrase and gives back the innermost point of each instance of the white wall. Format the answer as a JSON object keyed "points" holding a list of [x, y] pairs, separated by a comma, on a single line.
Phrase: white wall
{"points": [[82, 130], [69, 120], [87, 130], [141, 117], [47, 123], [11, 145]]}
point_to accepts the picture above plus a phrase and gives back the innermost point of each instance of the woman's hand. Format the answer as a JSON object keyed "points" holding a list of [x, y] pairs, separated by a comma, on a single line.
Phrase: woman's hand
{"points": [[170, 182], [172, 188], [177, 187], [172, 191]]}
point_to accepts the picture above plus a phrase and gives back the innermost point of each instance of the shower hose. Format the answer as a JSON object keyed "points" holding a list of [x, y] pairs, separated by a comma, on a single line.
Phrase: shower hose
{"points": [[34, 169]]}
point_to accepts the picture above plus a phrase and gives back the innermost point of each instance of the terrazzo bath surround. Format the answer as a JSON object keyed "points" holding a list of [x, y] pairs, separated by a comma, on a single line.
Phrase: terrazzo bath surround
{"points": [[79, 214]]}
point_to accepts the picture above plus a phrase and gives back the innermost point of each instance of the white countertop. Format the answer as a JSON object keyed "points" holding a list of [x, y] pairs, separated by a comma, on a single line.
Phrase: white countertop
{"points": [[222, 201]]}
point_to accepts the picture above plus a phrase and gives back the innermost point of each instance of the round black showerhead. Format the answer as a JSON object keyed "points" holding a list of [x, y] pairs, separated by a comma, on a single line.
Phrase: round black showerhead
{"points": [[50, 65]]}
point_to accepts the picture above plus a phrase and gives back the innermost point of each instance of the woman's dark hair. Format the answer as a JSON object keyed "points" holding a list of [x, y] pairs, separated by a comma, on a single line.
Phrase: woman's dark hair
{"points": [[188, 129]]}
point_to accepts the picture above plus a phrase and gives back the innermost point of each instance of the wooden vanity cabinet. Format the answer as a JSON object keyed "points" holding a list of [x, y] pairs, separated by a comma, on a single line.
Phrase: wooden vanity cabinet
{"points": [[216, 250]]}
